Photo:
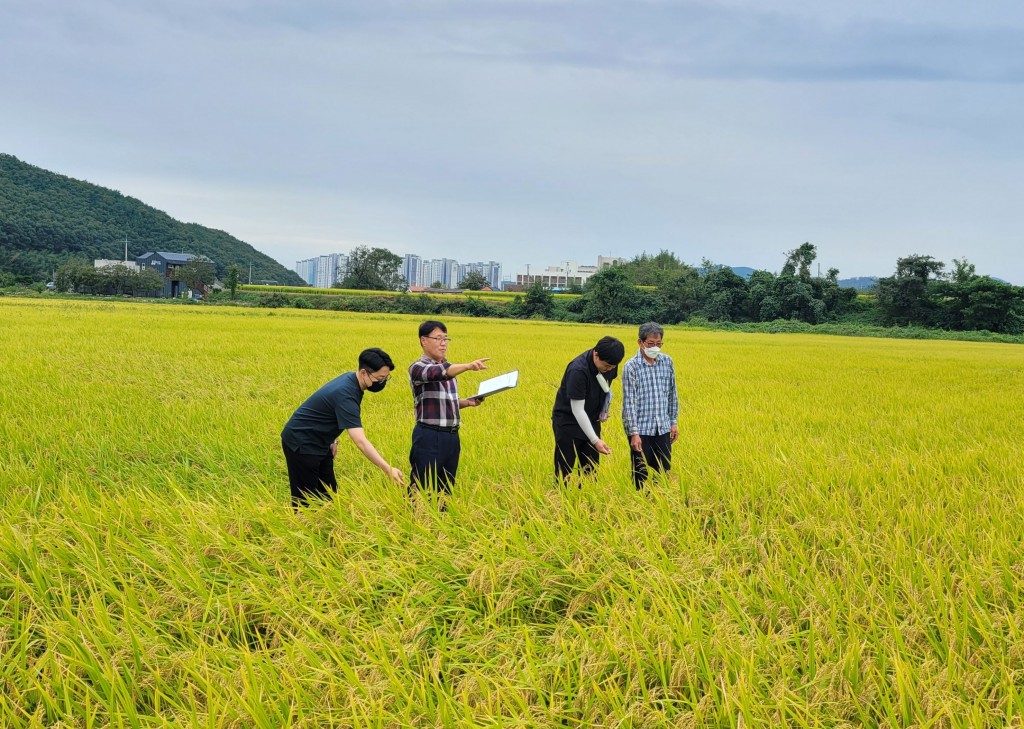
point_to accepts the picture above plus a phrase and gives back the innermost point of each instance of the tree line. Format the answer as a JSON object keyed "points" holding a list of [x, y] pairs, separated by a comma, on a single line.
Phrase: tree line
{"points": [[663, 288], [920, 293]]}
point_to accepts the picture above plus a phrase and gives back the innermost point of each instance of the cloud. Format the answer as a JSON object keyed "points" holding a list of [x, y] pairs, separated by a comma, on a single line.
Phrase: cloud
{"points": [[713, 128]]}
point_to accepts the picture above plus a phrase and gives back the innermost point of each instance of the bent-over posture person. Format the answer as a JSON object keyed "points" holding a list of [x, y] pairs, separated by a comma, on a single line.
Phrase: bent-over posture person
{"points": [[650, 404], [309, 438], [581, 405]]}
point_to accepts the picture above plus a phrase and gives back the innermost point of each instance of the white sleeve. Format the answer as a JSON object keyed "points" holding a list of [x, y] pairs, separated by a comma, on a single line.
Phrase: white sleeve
{"points": [[583, 420]]}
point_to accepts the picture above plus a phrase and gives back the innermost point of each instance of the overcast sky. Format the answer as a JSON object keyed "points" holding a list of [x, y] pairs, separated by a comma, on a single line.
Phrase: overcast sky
{"points": [[541, 131]]}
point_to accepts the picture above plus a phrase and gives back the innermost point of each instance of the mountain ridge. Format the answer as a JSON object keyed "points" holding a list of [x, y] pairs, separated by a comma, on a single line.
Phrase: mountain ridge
{"points": [[47, 218]]}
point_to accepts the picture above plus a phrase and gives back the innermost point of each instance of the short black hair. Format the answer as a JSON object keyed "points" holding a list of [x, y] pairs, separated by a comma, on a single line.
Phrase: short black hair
{"points": [[430, 325], [374, 358], [610, 350]]}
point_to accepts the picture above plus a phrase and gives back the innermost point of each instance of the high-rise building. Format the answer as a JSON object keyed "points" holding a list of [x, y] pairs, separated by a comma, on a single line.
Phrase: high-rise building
{"points": [[412, 269], [490, 271], [306, 270], [450, 272], [431, 272], [323, 271], [444, 271]]}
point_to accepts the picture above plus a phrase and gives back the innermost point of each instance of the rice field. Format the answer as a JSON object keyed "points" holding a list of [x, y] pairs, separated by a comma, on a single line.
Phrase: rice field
{"points": [[839, 543]]}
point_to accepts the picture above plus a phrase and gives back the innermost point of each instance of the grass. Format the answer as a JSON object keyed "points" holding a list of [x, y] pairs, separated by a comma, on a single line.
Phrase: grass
{"points": [[839, 543]]}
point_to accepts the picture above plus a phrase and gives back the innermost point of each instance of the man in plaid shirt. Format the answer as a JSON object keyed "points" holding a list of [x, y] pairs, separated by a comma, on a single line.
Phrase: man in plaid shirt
{"points": [[650, 405], [434, 456]]}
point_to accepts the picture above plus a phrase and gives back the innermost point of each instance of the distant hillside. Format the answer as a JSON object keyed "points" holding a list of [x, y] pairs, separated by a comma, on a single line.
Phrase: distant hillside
{"points": [[861, 283], [47, 219]]}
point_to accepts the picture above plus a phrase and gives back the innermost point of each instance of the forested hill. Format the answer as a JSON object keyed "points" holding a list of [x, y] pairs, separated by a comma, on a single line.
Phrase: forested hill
{"points": [[47, 219]]}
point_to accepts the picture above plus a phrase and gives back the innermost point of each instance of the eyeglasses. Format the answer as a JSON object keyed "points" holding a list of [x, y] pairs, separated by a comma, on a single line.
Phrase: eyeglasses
{"points": [[440, 340], [652, 344], [374, 379]]}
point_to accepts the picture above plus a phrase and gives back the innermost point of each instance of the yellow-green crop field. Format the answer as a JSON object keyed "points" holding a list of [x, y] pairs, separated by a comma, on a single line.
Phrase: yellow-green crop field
{"points": [[840, 541]]}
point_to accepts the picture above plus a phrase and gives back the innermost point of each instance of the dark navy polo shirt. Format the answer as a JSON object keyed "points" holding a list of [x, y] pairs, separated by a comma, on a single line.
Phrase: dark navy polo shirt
{"points": [[325, 415]]}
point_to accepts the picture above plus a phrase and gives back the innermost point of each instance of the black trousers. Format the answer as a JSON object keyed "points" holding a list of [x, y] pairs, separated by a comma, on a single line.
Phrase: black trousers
{"points": [[309, 476], [569, 450], [655, 452], [434, 458]]}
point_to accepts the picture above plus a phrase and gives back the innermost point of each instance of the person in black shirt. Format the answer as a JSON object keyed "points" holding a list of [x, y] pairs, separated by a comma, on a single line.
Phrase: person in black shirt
{"points": [[581, 404], [309, 438]]}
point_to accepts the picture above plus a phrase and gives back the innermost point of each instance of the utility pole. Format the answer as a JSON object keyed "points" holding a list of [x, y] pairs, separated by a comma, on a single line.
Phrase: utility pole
{"points": [[126, 247], [250, 270]]}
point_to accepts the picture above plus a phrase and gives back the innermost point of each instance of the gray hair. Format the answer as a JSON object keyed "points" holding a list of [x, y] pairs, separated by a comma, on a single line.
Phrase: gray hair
{"points": [[650, 328]]}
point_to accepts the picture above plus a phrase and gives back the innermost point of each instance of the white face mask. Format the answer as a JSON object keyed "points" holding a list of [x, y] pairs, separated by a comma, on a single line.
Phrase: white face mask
{"points": [[652, 352]]}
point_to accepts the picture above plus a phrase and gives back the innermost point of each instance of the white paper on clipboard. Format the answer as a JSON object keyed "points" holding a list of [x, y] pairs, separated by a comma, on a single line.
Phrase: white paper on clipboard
{"points": [[498, 384]]}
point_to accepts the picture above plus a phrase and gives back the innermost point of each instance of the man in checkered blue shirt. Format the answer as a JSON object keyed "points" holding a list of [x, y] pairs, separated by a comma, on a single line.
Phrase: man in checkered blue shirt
{"points": [[650, 405]]}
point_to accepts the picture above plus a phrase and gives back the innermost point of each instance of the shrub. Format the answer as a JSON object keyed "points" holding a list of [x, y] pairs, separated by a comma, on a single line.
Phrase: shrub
{"points": [[274, 301]]}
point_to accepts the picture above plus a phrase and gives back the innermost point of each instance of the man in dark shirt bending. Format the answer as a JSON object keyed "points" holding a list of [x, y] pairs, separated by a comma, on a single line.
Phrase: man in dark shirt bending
{"points": [[581, 404], [434, 456], [309, 438]]}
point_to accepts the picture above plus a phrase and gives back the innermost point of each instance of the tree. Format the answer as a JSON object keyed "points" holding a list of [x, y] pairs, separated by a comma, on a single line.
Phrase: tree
{"points": [[680, 292], [911, 296], [146, 281], [795, 294], [198, 273], [725, 294], [991, 305], [538, 302], [973, 302], [764, 303], [610, 296], [474, 281], [233, 276], [437, 285], [374, 269], [117, 278], [77, 277], [799, 260], [659, 270]]}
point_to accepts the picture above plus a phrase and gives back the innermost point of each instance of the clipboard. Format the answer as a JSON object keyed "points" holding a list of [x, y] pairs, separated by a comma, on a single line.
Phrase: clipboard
{"points": [[497, 384]]}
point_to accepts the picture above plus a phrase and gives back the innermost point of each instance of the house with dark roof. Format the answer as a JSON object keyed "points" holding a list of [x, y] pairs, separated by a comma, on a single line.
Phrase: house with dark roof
{"points": [[167, 265]]}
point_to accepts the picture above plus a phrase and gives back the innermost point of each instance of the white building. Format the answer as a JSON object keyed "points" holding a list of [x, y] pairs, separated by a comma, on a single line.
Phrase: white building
{"points": [[104, 262], [565, 274]]}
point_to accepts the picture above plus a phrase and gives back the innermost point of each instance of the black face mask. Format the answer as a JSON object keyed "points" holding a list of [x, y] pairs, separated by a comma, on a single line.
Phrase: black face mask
{"points": [[377, 386]]}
